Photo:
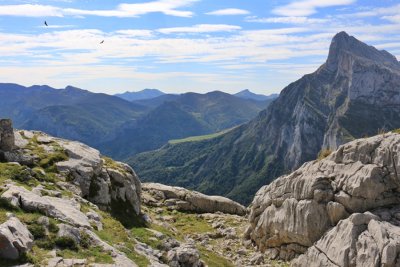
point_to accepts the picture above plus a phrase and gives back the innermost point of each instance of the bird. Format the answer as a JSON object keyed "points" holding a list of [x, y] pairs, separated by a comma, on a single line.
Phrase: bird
{"points": [[102, 42], [45, 23]]}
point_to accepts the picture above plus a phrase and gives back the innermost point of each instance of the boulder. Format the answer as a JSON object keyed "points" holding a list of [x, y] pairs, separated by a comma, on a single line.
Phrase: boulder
{"points": [[63, 209], [15, 239], [296, 210], [186, 200], [185, 255]]}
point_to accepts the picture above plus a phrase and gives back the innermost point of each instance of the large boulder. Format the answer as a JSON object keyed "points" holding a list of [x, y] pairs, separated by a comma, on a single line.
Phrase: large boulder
{"points": [[185, 255], [296, 210], [15, 239], [65, 210], [186, 200]]}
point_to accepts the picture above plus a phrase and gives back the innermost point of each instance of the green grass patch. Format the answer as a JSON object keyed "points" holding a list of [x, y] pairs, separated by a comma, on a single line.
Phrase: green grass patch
{"points": [[92, 255], [213, 259], [199, 137]]}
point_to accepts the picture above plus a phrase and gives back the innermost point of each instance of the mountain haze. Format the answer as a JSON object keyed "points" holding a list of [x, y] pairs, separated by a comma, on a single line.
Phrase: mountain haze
{"points": [[140, 95], [354, 94], [247, 94]]}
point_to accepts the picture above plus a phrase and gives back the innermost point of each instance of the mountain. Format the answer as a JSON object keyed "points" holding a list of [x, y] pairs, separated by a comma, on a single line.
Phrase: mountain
{"points": [[246, 94], [355, 93], [140, 95], [70, 113], [180, 116]]}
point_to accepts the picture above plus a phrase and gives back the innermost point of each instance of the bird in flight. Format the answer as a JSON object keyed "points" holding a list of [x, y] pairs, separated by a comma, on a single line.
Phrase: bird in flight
{"points": [[102, 42], [45, 23]]}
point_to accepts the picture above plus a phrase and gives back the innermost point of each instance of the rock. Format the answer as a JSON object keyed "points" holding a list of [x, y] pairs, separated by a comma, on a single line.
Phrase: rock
{"points": [[186, 200], [296, 210], [15, 239], [98, 183], [257, 259], [184, 256], [63, 209], [60, 262], [69, 231], [360, 240], [7, 142]]}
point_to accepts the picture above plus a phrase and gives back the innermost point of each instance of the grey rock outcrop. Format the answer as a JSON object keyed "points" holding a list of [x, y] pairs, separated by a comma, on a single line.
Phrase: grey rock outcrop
{"points": [[63, 209], [185, 200], [296, 210], [99, 183], [15, 239], [7, 142]]}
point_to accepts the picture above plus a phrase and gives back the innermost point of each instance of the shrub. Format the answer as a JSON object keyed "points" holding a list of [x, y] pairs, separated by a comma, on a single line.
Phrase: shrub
{"points": [[38, 231], [66, 242], [324, 153], [53, 228]]}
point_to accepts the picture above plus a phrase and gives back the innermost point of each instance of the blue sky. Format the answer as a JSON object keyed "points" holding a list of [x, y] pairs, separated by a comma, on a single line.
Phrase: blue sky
{"points": [[182, 45]]}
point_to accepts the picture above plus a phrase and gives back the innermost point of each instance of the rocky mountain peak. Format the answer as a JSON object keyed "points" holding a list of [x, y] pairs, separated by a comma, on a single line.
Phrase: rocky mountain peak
{"points": [[345, 45]]}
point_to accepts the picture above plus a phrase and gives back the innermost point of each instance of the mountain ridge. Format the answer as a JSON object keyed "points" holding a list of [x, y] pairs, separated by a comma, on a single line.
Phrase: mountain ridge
{"points": [[319, 111]]}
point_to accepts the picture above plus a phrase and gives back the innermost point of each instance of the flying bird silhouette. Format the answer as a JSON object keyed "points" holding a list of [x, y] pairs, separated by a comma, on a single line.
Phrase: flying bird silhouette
{"points": [[102, 42], [45, 23]]}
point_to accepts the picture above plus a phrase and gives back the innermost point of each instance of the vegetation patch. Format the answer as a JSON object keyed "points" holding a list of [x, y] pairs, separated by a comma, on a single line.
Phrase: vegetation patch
{"points": [[324, 153]]}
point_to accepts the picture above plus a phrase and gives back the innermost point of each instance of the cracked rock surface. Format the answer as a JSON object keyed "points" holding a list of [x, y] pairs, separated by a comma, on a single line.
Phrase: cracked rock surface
{"points": [[324, 204]]}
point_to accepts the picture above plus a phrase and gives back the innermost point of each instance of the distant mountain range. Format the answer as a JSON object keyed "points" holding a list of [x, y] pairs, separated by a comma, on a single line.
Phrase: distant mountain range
{"points": [[246, 94], [355, 93], [119, 127], [179, 116], [141, 95]]}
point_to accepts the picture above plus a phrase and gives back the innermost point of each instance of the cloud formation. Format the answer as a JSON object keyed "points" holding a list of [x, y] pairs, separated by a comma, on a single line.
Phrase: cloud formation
{"points": [[229, 12], [308, 7]]}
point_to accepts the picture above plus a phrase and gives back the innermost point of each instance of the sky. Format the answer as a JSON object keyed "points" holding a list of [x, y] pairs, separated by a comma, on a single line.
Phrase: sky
{"points": [[182, 45]]}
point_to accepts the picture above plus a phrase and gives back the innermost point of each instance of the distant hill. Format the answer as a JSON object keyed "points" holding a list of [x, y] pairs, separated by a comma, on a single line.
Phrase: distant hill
{"points": [[355, 93], [69, 113], [119, 127], [180, 116], [140, 95], [247, 94]]}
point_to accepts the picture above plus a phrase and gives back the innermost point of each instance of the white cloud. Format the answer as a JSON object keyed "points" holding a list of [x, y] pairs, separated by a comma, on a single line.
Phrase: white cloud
{"points": [[286, 20], [29, 10], [228, 12], [136, 33], [167, 7], [201, 28], [307, 7]]}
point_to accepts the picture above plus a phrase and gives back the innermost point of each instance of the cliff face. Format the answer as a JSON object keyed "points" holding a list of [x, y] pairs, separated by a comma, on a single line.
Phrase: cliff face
{"points": [[356, 93]]}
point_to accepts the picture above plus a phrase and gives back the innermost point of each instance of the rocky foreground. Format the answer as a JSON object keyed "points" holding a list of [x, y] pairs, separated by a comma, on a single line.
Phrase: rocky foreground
{"points": [[339, 211], [64, 204]]}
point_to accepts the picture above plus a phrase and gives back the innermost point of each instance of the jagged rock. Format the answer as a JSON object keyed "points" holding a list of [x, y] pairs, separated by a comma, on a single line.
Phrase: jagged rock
{"points": [[186, 200], [99, 183], [363, 239], [63, 209], [15, 239], [185, 255], [296, 210], [6, 135]]}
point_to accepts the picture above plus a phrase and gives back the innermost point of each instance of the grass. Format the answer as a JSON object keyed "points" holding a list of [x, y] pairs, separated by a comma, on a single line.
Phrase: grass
{"points": [[110, 163], [199, 137], [212, 259], [115, 233], [17, 173], [92, 254], [396, 131]]}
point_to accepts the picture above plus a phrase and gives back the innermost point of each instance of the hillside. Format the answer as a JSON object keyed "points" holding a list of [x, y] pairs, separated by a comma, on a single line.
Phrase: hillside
{"points": [[178, 117], [354, 94], [140, 95], [62, 203], [247, 94]]}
